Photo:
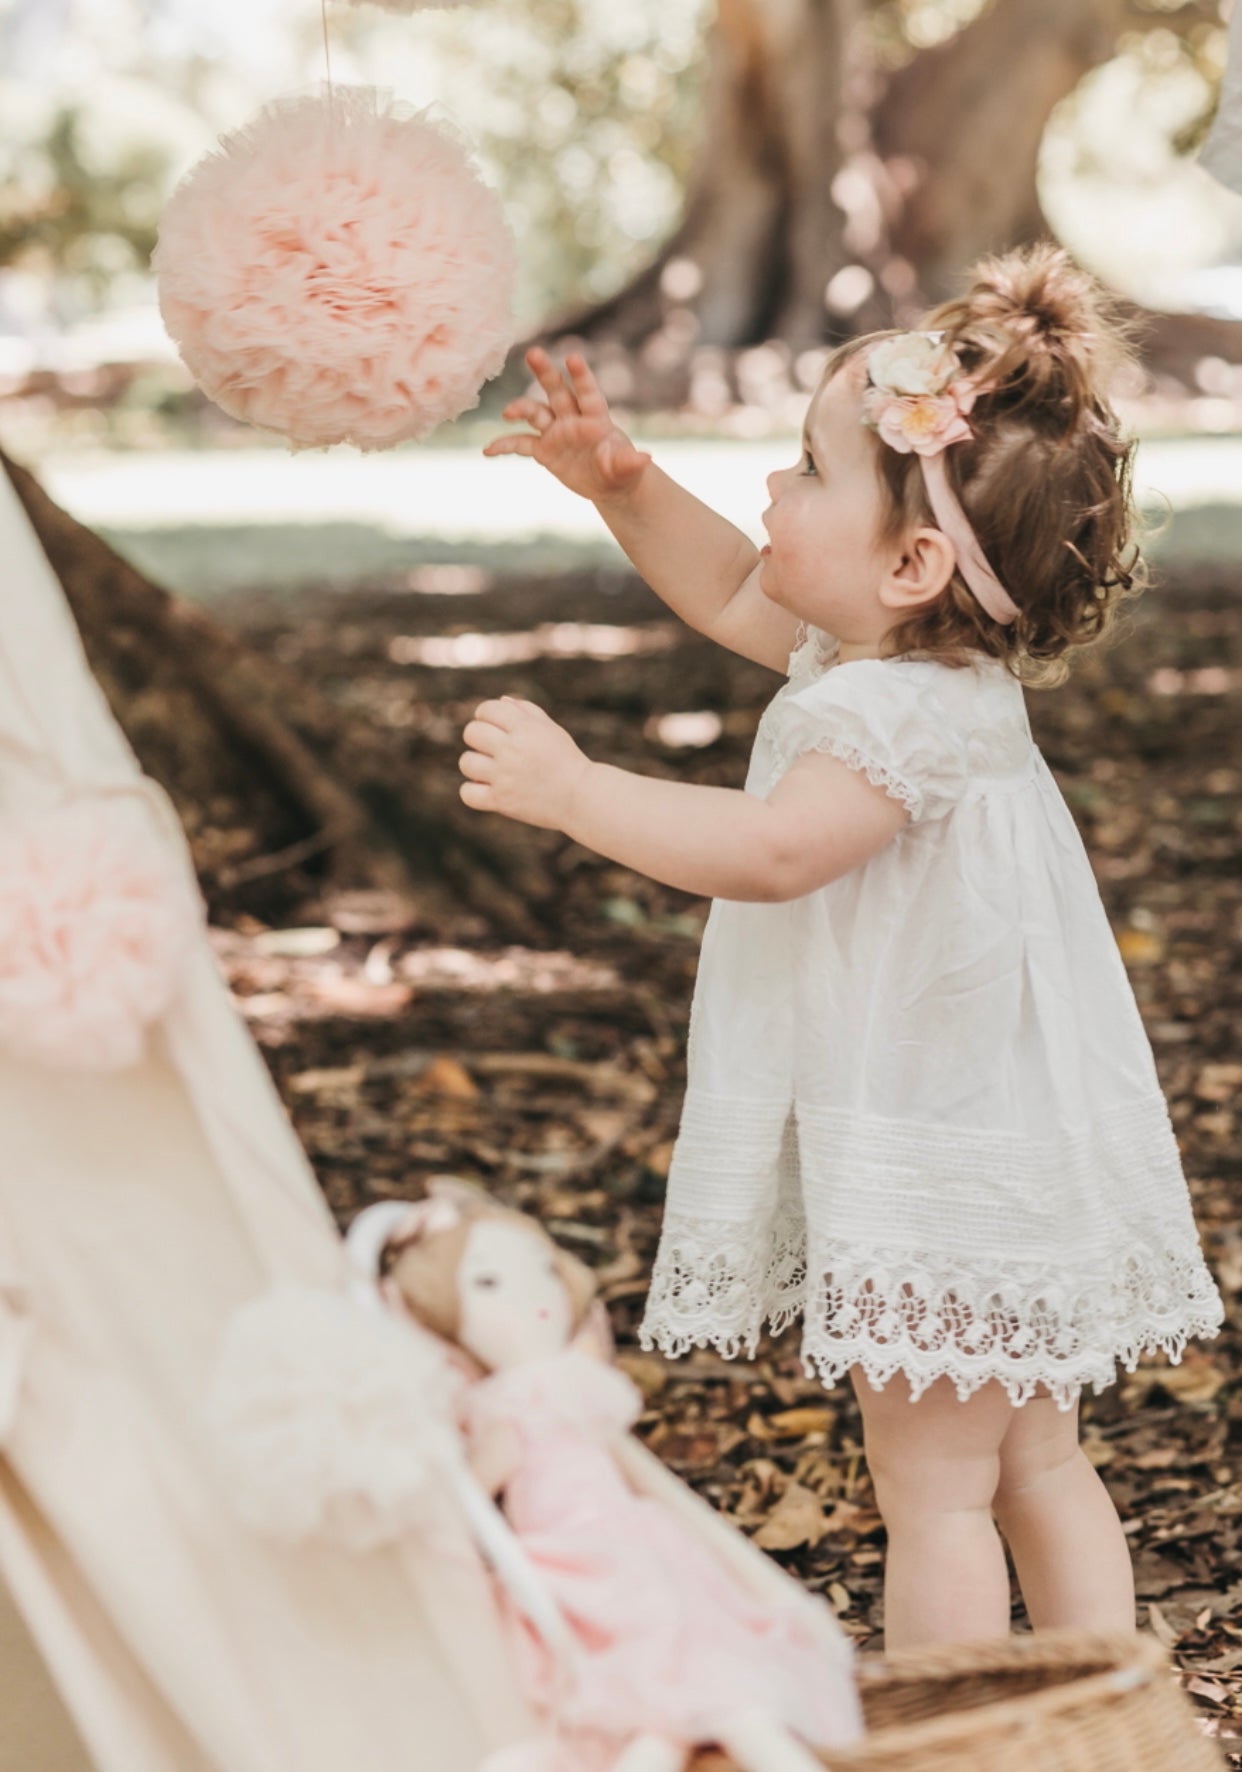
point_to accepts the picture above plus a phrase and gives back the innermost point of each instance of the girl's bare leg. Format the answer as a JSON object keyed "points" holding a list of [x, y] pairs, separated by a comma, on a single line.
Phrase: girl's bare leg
{"points": [[936, 1464], [1062, 1529]]}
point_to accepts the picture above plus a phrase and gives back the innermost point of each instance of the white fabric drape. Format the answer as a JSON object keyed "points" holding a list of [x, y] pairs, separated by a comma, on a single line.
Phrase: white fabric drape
{"points": [[138, 1210]]}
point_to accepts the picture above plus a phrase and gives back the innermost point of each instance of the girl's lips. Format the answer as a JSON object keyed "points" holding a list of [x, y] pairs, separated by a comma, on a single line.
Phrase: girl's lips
{"points": [[765, 549]]}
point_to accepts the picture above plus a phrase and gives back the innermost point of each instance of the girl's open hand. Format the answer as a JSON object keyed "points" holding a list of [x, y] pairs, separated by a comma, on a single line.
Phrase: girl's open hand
{"points": [[520, 763], [574, 436]]}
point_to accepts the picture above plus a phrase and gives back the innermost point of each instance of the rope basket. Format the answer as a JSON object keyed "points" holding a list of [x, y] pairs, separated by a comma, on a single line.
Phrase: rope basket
{"points": [[1057, 1701]]}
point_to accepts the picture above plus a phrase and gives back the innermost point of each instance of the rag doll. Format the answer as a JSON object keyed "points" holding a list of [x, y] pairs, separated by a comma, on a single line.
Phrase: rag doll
{"points": [[683, 1633]]}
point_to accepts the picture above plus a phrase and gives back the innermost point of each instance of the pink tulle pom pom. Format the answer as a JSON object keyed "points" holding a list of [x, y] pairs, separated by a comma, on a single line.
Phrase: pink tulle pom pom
{"points": [[95, 925], [338, 272]]}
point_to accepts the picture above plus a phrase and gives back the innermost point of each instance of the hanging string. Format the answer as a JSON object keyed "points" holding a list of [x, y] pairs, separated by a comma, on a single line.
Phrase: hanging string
{"points": [[327, 52]]}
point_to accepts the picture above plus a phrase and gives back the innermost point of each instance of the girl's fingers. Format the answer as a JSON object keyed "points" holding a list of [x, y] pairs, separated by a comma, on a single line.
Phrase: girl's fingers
{"points": [[478, 768], [520, 445], [480, 735], [535, 412], [585, 386], [618, 459], [553, 383]]}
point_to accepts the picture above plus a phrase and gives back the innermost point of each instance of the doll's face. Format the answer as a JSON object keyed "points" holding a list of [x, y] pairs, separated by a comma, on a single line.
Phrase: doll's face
{"points": [[514, 1306]]}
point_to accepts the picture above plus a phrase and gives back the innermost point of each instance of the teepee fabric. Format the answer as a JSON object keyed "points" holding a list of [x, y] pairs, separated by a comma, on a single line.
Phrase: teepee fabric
{"points": [[139, 1210]]}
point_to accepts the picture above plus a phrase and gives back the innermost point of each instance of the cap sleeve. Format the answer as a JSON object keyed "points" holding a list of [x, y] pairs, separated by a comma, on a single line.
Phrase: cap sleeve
{"points": [[884, 720]]}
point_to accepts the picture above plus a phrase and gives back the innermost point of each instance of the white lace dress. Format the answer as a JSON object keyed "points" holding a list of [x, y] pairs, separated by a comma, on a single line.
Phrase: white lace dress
{"points": [[922, 1110]]}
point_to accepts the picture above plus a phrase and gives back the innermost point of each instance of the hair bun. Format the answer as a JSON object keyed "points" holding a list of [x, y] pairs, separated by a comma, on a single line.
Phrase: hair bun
{"points": [[1039, 331]]}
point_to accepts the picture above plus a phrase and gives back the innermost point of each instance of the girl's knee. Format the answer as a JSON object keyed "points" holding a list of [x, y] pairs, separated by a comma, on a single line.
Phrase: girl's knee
{"points": [[915, 1485]]}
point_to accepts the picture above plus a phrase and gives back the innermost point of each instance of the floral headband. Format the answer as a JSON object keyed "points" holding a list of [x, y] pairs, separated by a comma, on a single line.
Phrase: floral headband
{"points": [[917, 400]]}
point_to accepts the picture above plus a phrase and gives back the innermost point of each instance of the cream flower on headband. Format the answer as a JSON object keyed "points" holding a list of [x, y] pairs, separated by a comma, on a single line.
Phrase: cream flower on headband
{"points": [[918, 396], [915, 363]]}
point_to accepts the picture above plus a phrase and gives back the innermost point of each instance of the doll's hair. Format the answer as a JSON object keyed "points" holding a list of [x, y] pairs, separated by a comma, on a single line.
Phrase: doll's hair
{"points": [[425, 1268], [1046, 480]]}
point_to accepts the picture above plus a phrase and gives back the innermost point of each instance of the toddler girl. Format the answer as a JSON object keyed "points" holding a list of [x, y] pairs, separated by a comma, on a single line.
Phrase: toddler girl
{"points": [[921, 1110]]}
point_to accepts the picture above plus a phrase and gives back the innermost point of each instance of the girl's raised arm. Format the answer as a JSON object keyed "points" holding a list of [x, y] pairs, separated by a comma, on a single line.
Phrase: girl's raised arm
{"points": [[698, 562]]}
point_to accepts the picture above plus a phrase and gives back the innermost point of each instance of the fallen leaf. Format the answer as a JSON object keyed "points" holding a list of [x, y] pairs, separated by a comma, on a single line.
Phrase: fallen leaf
{"points": [[659, 1157], [644, 1370], [797, 1518], [1160, 1625], [1139, 947], [444, 1076], [1193, 1381], [1219, 1082], [810, 1419]]}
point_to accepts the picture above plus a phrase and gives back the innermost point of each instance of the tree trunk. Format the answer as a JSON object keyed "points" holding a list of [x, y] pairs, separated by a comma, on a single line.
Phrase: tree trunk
{"points": [[762, 232], [273, 783], [939, 167], [959, 129]]}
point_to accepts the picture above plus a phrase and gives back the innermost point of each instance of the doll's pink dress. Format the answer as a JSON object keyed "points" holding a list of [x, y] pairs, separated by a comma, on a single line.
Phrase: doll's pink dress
{"points": [[670, 1642]]}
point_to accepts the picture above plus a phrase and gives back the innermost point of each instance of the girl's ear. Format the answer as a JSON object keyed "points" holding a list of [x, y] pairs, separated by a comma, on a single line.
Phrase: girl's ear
{"points": [[927, 563]]}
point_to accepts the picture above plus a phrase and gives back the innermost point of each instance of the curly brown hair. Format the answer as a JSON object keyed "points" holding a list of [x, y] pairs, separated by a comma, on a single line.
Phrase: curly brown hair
{"points": [[1047, 478]]}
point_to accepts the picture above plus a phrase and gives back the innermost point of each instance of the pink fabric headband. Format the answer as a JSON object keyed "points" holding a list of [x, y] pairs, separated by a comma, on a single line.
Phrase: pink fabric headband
{"points": [[917, 399]]}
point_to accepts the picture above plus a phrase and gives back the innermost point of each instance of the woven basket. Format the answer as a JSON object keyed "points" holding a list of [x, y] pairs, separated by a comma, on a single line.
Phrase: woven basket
{"points": [[1057, 1701]]}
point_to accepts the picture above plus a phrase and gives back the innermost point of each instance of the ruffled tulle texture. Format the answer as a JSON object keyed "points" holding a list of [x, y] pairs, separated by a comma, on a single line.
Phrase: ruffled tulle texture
{"points": [[922, 1113], [329, 1421], [96, 919], [337, 271]]}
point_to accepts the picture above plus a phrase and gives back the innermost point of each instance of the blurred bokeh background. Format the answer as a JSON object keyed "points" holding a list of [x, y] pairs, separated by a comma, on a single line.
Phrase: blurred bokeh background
{"points": [[707, 194]]}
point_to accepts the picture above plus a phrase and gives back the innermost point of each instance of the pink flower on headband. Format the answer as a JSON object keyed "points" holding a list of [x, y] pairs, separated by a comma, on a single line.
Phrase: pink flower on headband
{"points": [[918, 397], [922, 423]]}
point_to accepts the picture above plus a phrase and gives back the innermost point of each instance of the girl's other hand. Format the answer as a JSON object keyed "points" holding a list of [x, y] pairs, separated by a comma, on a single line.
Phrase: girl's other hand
{"points": [[520, 763], [574, 436]]}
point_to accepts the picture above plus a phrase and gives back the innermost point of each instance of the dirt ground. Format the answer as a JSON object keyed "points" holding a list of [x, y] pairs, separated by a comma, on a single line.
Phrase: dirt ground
{"points": [[554, 1073]]}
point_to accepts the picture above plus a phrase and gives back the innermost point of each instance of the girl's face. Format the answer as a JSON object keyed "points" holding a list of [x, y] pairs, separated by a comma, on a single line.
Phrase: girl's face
{"points": [[514, 1305], [826, 562]]}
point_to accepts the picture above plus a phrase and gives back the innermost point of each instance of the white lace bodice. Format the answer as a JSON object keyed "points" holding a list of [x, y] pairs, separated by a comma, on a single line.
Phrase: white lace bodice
{"points": [[921, 1106]]}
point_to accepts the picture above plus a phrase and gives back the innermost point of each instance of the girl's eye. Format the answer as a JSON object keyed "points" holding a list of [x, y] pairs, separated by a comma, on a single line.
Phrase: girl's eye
{"points": [[810, 465]]}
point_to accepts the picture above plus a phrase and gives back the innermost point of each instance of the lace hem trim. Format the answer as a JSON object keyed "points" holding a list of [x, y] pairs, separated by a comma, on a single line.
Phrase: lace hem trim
{"points": [[888, 1311]]}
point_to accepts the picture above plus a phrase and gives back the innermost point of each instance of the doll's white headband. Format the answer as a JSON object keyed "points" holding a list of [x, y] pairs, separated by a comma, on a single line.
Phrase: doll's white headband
{"points": [[396, 1221]]}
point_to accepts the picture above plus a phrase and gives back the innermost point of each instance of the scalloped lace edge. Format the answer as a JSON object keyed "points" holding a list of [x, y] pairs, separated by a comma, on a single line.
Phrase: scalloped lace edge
{"points": [[731, 1312], [877, 773], [881, 1364]]}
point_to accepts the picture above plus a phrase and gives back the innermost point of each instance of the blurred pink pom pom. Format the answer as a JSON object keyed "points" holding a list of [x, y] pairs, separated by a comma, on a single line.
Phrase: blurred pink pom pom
{"points": [[95, 922], [338, 272]]}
